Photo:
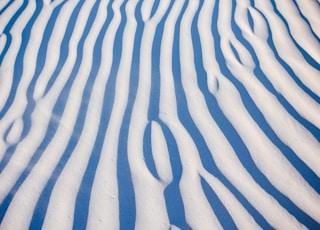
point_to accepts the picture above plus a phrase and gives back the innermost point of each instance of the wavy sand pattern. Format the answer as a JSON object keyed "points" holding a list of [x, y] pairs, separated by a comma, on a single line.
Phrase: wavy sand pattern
{"points": [[186, 114]]}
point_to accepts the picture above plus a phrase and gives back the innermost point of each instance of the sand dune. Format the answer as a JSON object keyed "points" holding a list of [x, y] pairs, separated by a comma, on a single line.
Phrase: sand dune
{"points": [[200, 114]]}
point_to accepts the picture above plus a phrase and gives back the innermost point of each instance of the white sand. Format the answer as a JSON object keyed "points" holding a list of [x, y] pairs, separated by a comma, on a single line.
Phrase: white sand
{"points": [[151, 211]]}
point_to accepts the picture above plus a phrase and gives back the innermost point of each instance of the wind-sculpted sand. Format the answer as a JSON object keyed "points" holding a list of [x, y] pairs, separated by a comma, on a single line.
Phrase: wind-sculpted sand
{"points": [[199, 114]]}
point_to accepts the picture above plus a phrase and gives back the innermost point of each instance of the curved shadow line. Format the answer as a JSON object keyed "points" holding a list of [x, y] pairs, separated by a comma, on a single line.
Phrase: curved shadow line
{"points": [[217, 206], [42, 203], [304, 53], [304, 170], [81, 210], [127, 204], [18, 64], [258, 117], [51, 131], [205, 154]]}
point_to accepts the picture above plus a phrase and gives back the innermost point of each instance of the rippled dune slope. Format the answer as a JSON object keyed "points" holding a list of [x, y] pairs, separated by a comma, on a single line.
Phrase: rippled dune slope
{"points": [[185, 114]]}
